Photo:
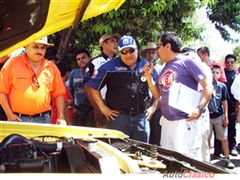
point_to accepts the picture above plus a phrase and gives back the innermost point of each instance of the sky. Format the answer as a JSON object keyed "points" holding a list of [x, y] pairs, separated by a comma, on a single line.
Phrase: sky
{"points": [[212, 38]]}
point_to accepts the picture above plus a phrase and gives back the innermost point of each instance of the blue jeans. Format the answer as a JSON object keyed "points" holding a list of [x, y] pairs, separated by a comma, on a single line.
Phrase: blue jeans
{"points": [[135, 126], [45, 118]]}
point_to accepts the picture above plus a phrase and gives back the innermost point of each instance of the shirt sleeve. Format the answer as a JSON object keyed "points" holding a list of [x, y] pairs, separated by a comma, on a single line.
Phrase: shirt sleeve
{"points": [[196, 69], [99, 81], [225, 95], [89, 71], [5, 77], [235, 88], [58, 84]]}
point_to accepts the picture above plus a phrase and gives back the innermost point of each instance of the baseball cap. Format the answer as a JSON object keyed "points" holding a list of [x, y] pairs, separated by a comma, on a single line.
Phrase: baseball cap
{"points": [[44, 40], [107, 36], [126, 42]]}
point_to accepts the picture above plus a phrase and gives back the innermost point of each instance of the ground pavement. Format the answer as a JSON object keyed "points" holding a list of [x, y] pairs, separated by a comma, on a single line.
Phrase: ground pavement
{"points": [[234, 159]]}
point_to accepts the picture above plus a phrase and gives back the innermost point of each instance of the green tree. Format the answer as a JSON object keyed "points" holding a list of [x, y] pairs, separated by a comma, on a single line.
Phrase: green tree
{"points": [[236, 52], [225, 14], [144, 19]]}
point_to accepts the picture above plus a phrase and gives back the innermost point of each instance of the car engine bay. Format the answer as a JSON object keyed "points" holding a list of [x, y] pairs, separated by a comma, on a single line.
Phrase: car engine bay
{"points": [[54, 154]]}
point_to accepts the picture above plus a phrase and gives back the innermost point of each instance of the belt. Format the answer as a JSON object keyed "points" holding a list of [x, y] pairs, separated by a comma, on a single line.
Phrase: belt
{"points": [[31, 115], [130, 112]]}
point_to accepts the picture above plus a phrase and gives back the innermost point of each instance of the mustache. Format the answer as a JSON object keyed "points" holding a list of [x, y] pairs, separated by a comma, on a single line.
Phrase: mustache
{"points": [[40, 54]]}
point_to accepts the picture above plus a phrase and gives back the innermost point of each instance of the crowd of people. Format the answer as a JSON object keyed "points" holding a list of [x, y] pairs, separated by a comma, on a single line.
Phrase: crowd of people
{"points": [[162, 94]]}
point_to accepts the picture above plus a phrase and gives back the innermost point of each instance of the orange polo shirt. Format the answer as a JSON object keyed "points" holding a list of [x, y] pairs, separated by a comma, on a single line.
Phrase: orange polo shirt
{"points": [[17, 82]]}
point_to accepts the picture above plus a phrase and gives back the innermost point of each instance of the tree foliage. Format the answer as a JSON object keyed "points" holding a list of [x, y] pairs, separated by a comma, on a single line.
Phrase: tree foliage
{"points": [[236, 52], [145, 19], [225, 14]]}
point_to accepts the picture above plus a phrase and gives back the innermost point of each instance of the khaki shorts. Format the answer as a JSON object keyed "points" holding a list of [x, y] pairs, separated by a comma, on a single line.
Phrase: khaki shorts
{"points": [[217, 124]]}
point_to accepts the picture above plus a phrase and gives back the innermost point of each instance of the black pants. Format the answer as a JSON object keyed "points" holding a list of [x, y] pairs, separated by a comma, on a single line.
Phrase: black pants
{"points": [[84, 119], [155, 128], [232, 118]]}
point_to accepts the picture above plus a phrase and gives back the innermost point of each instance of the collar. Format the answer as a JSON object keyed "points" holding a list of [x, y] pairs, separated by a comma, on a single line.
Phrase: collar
{"points": [[26, 62], [106, 57], [215, 82]]}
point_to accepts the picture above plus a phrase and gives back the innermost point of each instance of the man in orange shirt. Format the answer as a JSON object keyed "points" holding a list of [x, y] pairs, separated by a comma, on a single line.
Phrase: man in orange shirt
{"points": [[27, 83]]}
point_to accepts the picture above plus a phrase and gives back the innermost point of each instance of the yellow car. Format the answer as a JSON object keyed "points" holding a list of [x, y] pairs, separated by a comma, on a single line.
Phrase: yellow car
{"points": [[29, 147]]}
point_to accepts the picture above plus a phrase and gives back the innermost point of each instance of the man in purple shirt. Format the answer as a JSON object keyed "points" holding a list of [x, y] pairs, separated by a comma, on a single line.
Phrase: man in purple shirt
{"points": [[181, 131]]}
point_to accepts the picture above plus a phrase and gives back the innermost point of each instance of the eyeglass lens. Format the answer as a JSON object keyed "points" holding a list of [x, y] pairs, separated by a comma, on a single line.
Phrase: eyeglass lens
{"points": [[130, 51]]}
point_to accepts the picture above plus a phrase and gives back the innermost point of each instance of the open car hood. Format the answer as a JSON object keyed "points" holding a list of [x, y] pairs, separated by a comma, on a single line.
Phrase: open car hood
{"points": [[24, 21], [32, 147]]}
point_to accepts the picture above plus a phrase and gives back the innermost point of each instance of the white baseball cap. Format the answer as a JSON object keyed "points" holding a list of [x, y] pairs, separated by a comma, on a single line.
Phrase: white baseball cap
{"points": [[44, 40]]}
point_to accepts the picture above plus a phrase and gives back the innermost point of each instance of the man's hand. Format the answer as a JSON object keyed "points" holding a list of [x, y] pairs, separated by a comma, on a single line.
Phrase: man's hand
{"points": [[109, 113], [13, 117], [195, 115], [61, 122], [225, 122], [149, 112], [148, 70]]}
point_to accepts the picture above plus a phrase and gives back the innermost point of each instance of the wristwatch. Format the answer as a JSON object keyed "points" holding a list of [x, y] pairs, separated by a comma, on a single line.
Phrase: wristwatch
{"points": [[201, 108]]}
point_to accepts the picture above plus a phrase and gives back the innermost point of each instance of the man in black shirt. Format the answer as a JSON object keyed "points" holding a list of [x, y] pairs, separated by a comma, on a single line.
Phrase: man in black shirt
{"points": [[127, 95], [231, 73]]}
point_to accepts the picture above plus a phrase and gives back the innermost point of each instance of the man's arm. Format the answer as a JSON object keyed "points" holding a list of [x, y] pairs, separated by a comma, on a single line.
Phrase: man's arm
{"points": [[60, 105], [225, 113], [151, 110], [148, 70], [7, 109], [238, 111], [99, 117], [87, 91], [206, 96], [97, 98]]}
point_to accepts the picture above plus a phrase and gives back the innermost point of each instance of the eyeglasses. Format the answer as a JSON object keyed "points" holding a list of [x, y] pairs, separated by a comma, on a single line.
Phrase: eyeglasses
{"points": [[228, 62], [158, 46], [35, 81], [130, 51]]}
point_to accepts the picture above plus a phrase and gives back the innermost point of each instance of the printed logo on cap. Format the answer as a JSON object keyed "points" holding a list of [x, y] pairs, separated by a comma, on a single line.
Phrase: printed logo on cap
{"points": [[125, 41]]}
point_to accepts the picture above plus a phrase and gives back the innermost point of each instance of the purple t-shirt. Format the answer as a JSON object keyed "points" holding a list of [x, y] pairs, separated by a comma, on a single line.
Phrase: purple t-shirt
{"points": [[183, 69]]}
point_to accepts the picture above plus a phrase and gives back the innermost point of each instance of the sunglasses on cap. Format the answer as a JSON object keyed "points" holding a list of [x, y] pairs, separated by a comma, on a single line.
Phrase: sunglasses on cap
{"points": [[130, 51]]}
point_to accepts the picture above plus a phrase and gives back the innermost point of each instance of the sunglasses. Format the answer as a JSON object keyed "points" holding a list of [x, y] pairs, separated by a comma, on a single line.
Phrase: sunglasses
{"points": [[35, 81], [130, 51]]}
